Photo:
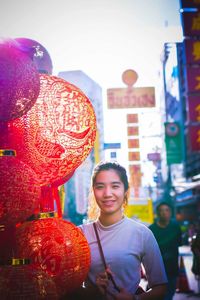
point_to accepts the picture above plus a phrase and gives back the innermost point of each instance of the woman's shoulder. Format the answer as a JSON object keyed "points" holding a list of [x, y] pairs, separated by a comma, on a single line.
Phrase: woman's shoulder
{"points": [[87, 226], [136, 225]]}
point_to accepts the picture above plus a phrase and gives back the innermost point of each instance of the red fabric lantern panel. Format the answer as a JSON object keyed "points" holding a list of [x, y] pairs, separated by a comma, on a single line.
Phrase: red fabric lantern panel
{"points": [[41, 57], [19, 81], [26, 282], [20, 191], [59, 247], [58, 133], [7, 242]]}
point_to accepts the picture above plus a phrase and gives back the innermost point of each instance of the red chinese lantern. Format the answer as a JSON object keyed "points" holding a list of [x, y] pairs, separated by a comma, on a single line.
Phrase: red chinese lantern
{"points": [[21, 280], [58, 133], [40, 55], [19, 190], [19, 81], [59, 247]]}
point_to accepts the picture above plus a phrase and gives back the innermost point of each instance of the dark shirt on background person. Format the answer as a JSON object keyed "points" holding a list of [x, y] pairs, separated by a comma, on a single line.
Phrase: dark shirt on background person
{"points": [[168, 235]]}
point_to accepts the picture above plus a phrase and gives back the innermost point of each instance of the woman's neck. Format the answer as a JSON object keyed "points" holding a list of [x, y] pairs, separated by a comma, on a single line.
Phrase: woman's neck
{"points": [[107, 220]]}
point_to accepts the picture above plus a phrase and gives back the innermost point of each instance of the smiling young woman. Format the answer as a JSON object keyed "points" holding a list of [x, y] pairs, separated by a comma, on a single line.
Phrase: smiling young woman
{"points": [[126, 243]]}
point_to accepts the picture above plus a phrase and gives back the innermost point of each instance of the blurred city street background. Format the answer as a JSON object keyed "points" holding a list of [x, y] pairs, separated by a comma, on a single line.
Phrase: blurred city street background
{"points": [[138, 63]]}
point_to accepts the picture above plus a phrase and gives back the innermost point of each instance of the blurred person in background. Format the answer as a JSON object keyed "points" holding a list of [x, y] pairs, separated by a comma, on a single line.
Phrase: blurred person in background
{"points": [[195, 247], [169, 237]]}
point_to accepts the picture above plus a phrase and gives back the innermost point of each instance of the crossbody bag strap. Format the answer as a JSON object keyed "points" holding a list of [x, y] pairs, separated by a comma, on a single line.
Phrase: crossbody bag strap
{"points": [[103, 257]]}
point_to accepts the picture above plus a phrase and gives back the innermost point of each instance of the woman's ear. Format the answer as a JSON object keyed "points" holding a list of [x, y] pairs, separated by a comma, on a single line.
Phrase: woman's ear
{"points": [[125, 203]]}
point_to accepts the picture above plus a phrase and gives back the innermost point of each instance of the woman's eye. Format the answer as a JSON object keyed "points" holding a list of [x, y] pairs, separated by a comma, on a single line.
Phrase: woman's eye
{"points": [[115, 186], [99, 187]]}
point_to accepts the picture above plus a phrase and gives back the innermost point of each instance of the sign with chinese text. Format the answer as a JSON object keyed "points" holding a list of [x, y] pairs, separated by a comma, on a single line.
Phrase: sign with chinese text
{"points": [[194, 108], [194, 136], [133, 156], [140, 210], [133, 97], [132, 118], [193, 79], [190, 3], [133, 143], [135, 175], [192, 51], [133, 130], [173, 143], [191, 23]]}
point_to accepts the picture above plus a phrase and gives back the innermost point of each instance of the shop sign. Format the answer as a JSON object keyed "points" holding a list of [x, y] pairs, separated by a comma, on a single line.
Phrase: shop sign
{"points": [[193, 79], [173, 143], [194, 138], [133, 143], [135, 175], [133, 97], [192, 51], [194, 108], [191, 23], [132, 118], [143, 212], [190, 3], [133, 156], [112, 146], [132, 130], [154, 156]]}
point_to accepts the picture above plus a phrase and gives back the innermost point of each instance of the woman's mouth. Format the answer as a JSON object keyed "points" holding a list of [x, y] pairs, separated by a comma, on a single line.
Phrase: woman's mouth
{"points": [[108, 203]]}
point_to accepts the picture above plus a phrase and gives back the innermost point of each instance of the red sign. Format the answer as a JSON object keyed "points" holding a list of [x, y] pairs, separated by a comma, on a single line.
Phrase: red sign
{"points": [[131, 97], [132, 118], [192, 51], [191, 23], [135, 175], [134, 156], [189, 3], [133, 143], [194, 138], [194, 108], [193, 79], [133, 130]]}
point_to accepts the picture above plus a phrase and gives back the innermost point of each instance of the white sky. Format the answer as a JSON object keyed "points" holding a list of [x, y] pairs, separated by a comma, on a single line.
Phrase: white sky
{"points": [[102, 38]]}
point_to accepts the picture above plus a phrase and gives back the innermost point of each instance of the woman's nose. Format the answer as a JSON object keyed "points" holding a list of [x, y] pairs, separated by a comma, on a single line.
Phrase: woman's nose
{"points": [[107, 191]]}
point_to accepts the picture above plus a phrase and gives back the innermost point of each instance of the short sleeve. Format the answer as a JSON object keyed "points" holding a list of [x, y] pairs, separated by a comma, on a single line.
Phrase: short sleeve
{"points": [[152, 261]]}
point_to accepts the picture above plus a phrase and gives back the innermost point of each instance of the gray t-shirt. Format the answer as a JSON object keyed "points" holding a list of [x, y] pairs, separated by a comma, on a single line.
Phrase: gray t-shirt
{"points": [[126, 245]]}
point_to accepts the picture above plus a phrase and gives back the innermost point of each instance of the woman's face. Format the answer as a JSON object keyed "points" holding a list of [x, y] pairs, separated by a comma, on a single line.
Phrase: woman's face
{"points": [[109, 191]]}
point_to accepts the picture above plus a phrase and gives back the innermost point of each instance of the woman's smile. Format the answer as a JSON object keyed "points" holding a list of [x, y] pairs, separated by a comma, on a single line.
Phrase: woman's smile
{"points": [[109, 192]]}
